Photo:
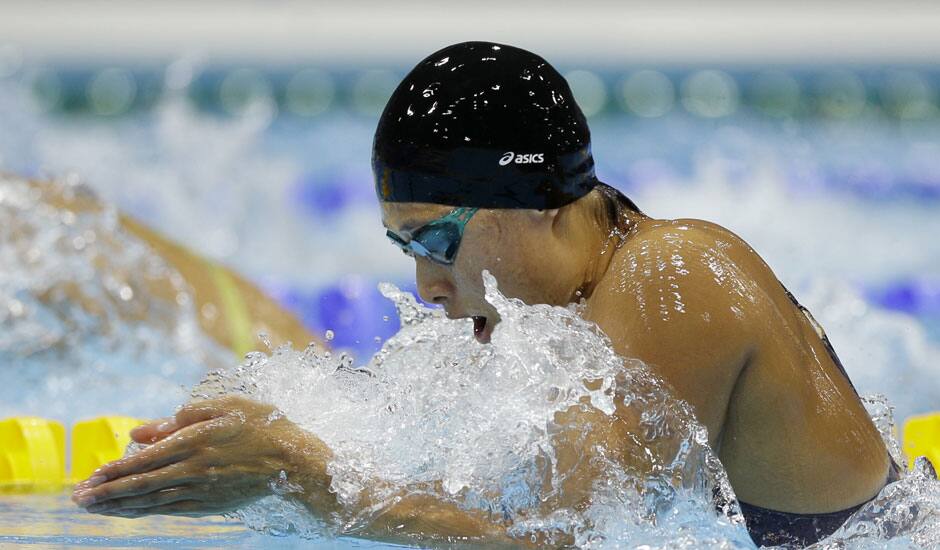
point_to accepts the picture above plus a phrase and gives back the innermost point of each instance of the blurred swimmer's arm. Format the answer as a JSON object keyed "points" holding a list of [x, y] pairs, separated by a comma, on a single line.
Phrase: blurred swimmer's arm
{"points": [[220, 455], [229, 308]]}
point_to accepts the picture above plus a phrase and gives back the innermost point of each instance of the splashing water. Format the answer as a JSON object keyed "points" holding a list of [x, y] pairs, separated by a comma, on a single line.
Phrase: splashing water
{"points": [[435, 412], [88, 314], [484, 426], [905, 514]]}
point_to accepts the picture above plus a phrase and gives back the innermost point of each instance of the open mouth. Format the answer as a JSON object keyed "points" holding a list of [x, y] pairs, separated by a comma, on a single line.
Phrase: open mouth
{"points": [[479, 329]]}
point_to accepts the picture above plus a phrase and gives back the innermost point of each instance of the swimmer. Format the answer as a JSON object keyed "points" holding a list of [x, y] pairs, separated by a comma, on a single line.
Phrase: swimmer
{"points": [[230, 309], [482, 160]]}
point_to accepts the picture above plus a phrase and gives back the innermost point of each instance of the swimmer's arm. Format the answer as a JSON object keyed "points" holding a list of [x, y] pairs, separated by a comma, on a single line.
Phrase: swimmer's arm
{"points": [[414, 519], [425, 519], [233, 305], [220, 455]]}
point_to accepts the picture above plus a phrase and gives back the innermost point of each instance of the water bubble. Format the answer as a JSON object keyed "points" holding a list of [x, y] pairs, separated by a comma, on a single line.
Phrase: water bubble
{"points": [[126, 293], [180, 74], [111, 91], [246, 91], [46, 87], [841, 94], [309, 92], [908, 95], [776, 93], [281, 486], [648, 93], [16, 308], [589, 91], [209, 311], [710, 94], [328, 335]]}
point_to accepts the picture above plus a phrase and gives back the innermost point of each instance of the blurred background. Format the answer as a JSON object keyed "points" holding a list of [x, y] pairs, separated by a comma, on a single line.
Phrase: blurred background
{"points": [[243, 130]]}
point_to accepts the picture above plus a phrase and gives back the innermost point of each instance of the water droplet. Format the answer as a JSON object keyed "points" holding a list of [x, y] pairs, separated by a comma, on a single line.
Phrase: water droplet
{"points": [[126, 293], [16, 308], [209, 311]]}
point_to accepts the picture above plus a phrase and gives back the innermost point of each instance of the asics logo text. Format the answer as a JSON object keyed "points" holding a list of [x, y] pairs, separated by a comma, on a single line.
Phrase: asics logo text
{"points": [[527, 158]]}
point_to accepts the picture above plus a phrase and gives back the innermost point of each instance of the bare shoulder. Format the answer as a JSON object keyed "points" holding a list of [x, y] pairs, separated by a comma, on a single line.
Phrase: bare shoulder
{"points": [[698, 235], [679, 291], [680, 295], [684, 267]]}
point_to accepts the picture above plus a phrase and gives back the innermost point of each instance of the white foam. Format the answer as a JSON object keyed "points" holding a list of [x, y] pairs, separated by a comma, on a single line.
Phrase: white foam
{"points": [[435, 412]]}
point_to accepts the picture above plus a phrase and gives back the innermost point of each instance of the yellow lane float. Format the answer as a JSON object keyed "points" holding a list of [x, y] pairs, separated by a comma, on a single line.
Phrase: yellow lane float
{"points": [[922, 438], [32, 450], [98, 441], [32, 455]]}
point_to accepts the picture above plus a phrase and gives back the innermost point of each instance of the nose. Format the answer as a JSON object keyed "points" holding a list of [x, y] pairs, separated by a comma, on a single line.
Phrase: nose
{"points": [[433, 284]]}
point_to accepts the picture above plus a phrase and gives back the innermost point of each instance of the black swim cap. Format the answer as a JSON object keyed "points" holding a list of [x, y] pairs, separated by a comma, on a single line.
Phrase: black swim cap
{"points": [[486, 125]]}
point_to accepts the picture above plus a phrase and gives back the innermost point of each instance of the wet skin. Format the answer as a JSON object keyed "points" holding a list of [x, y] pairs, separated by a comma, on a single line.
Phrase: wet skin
{"points": [[687, 297]]}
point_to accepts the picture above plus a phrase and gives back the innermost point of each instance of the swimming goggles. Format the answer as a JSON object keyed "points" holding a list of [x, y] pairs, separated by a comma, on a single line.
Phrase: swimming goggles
{"points": [[439, 239]]}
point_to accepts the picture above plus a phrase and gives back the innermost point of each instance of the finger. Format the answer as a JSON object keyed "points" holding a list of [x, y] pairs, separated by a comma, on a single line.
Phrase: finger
{"points": [[173, 448], [149, 500], [189, 508], [168, 476], [199, 411], [155, 430], [188, 414]]}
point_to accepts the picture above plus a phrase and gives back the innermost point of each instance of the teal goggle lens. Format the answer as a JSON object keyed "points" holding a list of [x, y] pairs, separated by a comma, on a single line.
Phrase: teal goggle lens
{"points": [[438, 242]]}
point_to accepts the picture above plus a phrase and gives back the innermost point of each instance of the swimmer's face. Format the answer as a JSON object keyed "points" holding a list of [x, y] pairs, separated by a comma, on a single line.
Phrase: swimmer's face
{"points": [[519, 247]]}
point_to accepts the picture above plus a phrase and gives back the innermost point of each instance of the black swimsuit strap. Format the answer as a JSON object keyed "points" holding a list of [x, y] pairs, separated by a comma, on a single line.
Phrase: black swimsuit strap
{"points": [[774, 528], [822, 336]]}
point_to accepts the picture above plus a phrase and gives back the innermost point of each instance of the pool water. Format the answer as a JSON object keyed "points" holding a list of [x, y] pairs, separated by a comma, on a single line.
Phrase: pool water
{"points": [[836, 185], [53, 521]]}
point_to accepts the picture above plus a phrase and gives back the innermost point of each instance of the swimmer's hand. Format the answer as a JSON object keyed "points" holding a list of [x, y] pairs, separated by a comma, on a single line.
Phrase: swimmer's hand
{"points": [[212, 457], [219, 455]]}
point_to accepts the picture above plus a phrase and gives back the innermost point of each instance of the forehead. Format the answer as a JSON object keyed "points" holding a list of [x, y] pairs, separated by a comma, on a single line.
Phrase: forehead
{"points": [[408, 215]]}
